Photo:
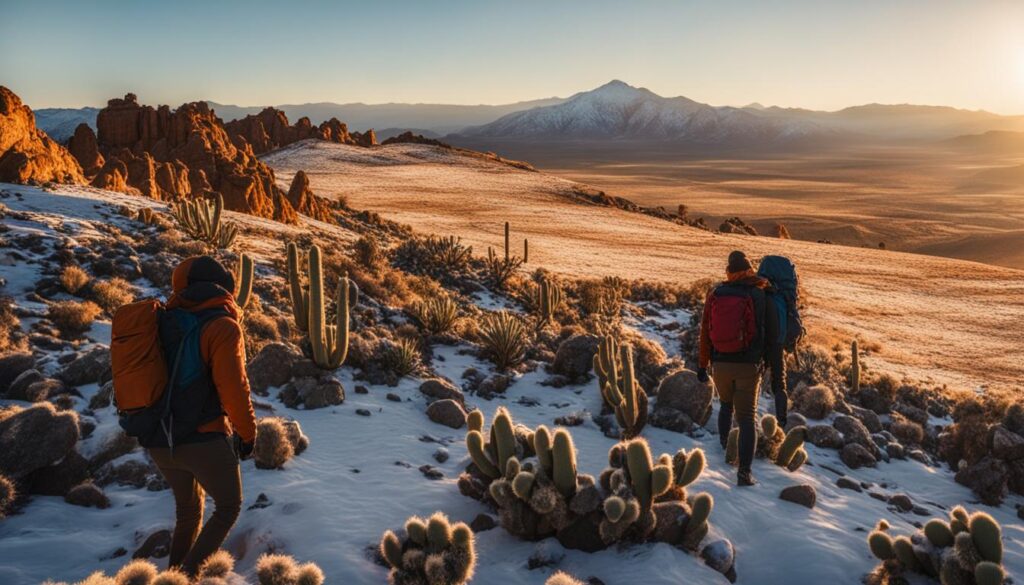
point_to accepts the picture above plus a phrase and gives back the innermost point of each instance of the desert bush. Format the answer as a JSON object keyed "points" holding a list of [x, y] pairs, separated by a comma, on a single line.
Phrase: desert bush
{"points": [[368, 252], [73, 278], [11, 336], [697, 292], [7, 496], [112, 294], [402, 356], [73, 318], [259, 330], [433, 551], [275, 444], [503, 337], [499, 270], [88, 495], [217, 565], [175, 242], [436, 315], [814, 402], [435, 256], [600, 297], [906, 431]]}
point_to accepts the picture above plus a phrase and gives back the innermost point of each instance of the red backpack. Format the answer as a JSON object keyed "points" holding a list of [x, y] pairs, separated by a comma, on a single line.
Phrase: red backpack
{"points": [[733, 325]]}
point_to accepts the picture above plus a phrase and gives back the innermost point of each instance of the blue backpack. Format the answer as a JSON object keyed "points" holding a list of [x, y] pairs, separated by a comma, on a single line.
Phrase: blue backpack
{"points": [[781, 272]]}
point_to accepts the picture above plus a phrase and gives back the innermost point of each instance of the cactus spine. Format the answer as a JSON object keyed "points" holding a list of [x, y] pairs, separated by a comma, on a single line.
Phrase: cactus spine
{"points": [[246, 272], [854, 367], [549, 297]]}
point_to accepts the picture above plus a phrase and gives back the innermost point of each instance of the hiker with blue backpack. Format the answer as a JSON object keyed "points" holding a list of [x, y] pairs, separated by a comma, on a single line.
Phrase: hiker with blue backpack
{"points": [[745, 328], [181, 389]]}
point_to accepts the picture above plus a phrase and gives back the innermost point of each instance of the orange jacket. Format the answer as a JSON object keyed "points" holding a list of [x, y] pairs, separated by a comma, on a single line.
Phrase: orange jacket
{"points": [[704, 353], [223, 350]]}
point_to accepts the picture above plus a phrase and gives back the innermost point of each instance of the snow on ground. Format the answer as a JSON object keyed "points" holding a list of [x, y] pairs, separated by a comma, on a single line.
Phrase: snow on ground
{"points": [[360, 476], [936, 319]]}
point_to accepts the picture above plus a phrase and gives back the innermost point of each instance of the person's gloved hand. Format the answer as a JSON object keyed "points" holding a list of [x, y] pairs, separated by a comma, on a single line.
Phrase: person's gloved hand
{"points": [[702, 375], [243, 449]]}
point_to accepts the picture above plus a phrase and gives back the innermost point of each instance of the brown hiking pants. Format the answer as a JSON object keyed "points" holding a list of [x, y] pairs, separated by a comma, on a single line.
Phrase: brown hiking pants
{"points": [[737, 386], [194, 470]]}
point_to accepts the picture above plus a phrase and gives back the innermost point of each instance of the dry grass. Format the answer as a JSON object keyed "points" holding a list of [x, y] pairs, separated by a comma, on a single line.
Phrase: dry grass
{"points": [[73, 278], [73, 318], [11, 336], [111, 294], [906, 431]]}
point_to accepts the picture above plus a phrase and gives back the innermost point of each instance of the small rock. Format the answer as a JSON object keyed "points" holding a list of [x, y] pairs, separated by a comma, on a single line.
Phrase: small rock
{"points": [[360, 389], [393, 397], [1007, 445], [854, 431], [895, 451], [262, 501], [848, 484], [447, 412], [362, 412], [719, 555], [431, 472], [574, 358], [441, 455], [91, 367], [869, 418], [825, 436], [799, 494], [440, 389], [795, 419], [671, 419], [156, 546], [989, 478], [12, 366], [272, 366], [855, 456], [574, 419], [18, 389], [682, 391], [902, 502], [482, 523], [546, 553], [919, 456]]}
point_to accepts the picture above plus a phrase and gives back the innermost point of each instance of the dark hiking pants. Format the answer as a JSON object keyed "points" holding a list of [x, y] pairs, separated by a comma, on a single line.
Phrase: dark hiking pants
{"points": [[737, 386], [195, 470]]}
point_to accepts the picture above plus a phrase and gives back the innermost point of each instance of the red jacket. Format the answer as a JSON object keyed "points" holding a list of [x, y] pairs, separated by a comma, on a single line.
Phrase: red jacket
{"points": [[748, 277]]}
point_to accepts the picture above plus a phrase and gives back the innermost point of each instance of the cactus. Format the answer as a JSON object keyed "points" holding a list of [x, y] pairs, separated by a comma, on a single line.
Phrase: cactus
{"points": [[492, 457], [435, 551], [987, 536], [201, 220], [791, 454], [526, 251], [687, 467], [903, 549], [938, 533], [880, 544], [854, 367], [147, 216], [548, 299], [647, 479], [329, 342], [298, 294], [732, 447], [988, 573], [700, 511], [246, 272], [563, 460], [507, 229], [619, 388]]}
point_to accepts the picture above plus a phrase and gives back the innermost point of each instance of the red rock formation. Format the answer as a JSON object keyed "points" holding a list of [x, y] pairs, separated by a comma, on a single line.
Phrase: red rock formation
{"points": [[408, 137], [300, 196], [335, 130], [27, 154], [84, 148], [367, 139], [269, 130]]}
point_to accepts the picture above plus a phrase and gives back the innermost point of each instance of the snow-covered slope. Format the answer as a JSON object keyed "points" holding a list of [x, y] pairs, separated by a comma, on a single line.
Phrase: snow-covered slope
{"points": [[60, 123], [360, 475], [617, 110]]}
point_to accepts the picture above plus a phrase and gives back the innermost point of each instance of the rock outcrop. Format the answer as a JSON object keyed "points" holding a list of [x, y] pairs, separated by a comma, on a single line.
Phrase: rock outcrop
{"points": [[84, 147], [269, 130], [408, 137], [27, 154], [301, 196]]}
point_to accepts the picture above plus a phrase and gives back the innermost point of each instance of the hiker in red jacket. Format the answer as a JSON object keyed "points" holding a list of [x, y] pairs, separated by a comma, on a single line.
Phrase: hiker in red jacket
{"points": [[734, 332]]}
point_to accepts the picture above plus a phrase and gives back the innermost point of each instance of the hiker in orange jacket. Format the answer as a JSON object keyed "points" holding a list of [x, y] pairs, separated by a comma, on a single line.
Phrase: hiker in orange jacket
{"points": [[735, 332], [206, 461]]}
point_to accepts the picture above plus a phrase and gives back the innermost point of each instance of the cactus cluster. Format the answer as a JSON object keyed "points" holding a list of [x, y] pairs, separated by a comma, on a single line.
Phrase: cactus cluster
{"points": [[201, 220], [966, 550], [147, 216], [217, 569], [433, 551], [503, 337], [637, 484], [784, 449], [548, 299], [244, 278], [504, 441], [619, 389], [328, 342]]}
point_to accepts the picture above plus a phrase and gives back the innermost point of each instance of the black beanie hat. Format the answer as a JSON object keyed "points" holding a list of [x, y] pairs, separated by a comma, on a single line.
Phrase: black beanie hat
{"points": [[207, 269], [738, 262]]}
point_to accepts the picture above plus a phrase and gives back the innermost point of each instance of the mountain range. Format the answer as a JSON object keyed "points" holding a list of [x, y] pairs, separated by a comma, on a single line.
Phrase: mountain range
{"points": [[619, 111]]}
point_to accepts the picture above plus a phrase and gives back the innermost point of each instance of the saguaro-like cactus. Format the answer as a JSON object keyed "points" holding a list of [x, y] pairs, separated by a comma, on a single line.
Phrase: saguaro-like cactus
{"points": [[549, 298], [434, 551], [296, 291], [201, 220], [328, 342], [246, 272], [619, 388], [854, 367]]}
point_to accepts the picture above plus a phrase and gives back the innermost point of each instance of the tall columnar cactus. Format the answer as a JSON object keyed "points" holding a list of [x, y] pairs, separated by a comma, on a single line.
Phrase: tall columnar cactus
{"points": [[549, 297], [507, 250], [854, 367], [329, 342], [967, 550], [619, 388], [246, 272], [434, 551], [298, 293], [201, 220], [557, 457], [791, 454], [647, 479], [491, 456], [526, 251]]}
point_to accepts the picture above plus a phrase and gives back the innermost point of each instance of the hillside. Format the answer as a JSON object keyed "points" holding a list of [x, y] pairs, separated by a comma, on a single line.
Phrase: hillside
{"points": [[912, 306]]}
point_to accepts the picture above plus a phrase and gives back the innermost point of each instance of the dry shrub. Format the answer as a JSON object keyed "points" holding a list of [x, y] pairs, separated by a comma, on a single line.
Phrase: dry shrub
{"points": [[171, 577], [436, 315], [402, 356], [73, 318], [816, 366], [597, 298], [272, 448], [503, 339], [219, 564], [697, 292], [275, 569], [137, 572], [112, 294], [259, 328], [174, 241], [814, 402], [368, 252], [7, 496], [309, 574], [906, 431], [73, 278], [11, 336]]}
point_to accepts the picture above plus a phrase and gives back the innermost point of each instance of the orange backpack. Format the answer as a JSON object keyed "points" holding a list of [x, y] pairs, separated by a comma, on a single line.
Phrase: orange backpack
{"points": [[136, 355]]}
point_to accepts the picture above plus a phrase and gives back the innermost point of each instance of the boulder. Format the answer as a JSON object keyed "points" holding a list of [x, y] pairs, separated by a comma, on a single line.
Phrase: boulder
{"points": [[18, 388], [1007, 445], [312, 393], [132, 472], [27, 154], [36, 437], [58, 479], [669, 419], [719, 555], [13, 365], [825, 436], [682, 391], [104, 396], [870, 419], [301, 197], [901, 502], [989, 478], [795, 419], [447, 412], [272, 366], [854, 431], [574, 358], [441, 389], [156, 546], [800, 494], [855, 456], [88, 368]]}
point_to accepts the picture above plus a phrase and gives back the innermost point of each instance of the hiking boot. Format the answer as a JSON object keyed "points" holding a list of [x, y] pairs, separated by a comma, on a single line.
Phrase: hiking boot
{"points": [[745, 479]]}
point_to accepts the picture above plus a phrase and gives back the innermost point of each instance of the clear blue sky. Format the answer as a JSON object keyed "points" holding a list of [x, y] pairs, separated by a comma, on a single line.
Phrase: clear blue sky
{"points": [[811, 53]]}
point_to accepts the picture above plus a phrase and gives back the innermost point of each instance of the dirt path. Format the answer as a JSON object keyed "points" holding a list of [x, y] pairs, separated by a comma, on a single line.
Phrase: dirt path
{"points": [[948, 321]]}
